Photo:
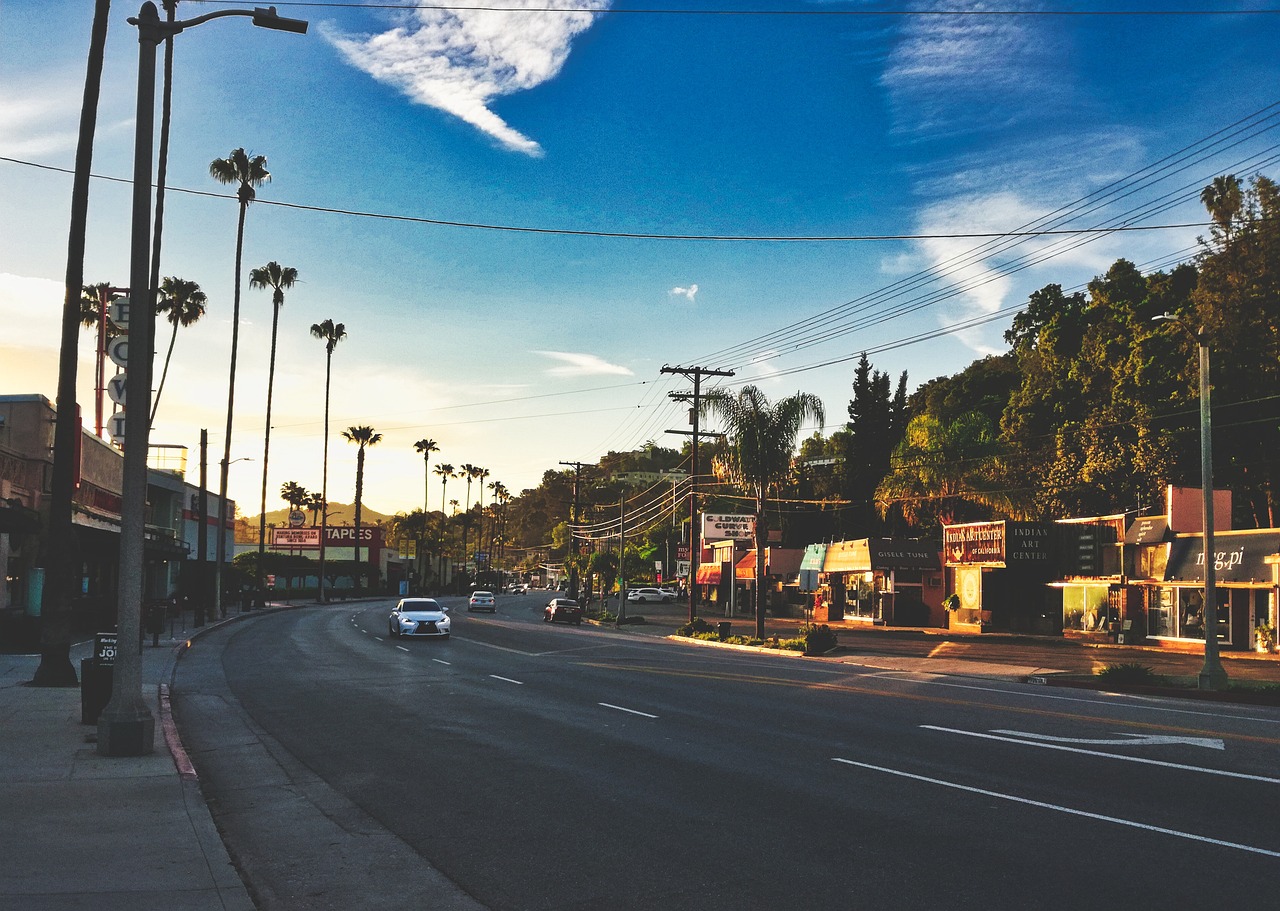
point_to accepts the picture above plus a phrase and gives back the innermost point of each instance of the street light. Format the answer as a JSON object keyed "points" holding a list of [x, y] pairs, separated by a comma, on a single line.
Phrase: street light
{"points": [[126, 726], [1213, 676]]}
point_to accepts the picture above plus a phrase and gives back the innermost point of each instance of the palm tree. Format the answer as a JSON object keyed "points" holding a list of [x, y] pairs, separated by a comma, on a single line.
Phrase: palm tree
{"points": [[182, 302], [236, 168], [481, 474], [314, 503], [761, 438], [331, 333], [499, 497], [426, 447], [294, 494], [445, 471], [278, 278], [363, 436], [93, 315], [468, 471]]}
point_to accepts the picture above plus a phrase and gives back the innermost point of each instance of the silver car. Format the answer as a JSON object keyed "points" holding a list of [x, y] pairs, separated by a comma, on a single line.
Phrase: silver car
{"points": [[419, 617]]}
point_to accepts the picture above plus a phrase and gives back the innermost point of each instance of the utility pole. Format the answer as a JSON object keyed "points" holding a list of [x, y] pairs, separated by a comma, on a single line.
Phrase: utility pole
{"points": [[622, 559], [573, 565], [694, 374], [202, 533]]}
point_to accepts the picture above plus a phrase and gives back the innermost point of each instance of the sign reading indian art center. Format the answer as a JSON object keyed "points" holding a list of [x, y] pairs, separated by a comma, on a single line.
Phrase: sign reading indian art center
{"points": [[997, 543]]}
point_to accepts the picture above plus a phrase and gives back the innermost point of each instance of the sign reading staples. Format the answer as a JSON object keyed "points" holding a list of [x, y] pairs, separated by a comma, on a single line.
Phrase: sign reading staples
{"points": [[738, 528]]}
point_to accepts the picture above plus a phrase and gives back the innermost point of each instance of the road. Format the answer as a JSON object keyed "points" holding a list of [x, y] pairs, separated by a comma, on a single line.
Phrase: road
{"points": [[525, 766]]}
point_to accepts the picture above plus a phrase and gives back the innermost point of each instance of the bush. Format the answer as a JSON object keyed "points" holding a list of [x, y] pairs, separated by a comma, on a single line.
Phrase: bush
{"points": [[818, 640], [696, 627], [1129, 673]]}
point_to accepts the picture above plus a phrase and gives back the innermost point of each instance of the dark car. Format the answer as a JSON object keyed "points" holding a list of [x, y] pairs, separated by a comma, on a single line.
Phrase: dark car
{"points": [[565, 609]]}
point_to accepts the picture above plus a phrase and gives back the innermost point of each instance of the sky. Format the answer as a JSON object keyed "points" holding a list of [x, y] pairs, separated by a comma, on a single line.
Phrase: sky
{"points": [[522, 213]]}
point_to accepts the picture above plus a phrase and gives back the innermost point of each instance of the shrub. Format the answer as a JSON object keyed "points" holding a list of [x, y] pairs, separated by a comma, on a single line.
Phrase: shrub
{"points": [[818, 640], [696, 627], [1132, 672]]}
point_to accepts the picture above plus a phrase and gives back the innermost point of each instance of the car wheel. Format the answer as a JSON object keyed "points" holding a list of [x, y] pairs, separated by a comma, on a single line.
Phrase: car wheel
{"points": [[393, 632]]}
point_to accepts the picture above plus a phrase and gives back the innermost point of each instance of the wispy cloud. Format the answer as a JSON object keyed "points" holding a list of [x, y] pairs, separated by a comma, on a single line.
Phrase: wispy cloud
{"points": [[961, 74], [575, 364], [460, 60], [690, 292]]}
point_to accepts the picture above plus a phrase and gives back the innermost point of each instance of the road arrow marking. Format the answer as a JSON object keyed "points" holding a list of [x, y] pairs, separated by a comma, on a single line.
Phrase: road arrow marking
{"points": [[1140, 740], [1100, 755]]}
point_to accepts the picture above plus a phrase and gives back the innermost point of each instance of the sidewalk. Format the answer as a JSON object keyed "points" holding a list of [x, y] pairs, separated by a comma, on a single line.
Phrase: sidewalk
{"points": [[79, 830]]}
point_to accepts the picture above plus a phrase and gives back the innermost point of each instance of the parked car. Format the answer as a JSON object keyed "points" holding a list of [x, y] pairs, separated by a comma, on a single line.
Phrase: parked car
{"points": [[419, 617], [482, 601], [645, 595], [518, 588], [565, 609]]}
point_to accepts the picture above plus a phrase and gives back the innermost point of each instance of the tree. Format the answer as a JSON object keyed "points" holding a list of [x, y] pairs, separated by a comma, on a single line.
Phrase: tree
{"points": [[942, 472], [314, 503], [248, 173], [760, 441], [425, 447], [444, 471], [468, 471], [279, 279], [330, 333], [182, 303], [294, 494], [363, 436]]}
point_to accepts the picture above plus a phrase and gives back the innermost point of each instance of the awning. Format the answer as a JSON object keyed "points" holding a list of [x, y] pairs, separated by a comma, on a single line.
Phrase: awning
{"points": [[811, 565], [867, 554], [1241, 556], [708, 574], [778, 561], [1149, 530]]}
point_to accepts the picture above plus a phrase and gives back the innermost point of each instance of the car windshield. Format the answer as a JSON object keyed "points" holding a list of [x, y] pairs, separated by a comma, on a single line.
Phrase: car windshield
{"points": [[419, 606]]}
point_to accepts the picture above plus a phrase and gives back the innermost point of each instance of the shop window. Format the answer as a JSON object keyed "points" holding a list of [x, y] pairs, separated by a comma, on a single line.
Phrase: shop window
{"points": [[1084, 608], [1160, 612]]}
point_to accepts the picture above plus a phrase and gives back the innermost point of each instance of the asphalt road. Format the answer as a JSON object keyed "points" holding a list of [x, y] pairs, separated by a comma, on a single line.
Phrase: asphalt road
{"points": [[526, 766]]}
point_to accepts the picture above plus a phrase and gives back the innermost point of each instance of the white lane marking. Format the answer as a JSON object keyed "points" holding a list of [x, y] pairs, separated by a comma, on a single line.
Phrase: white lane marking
{"points": [[438, 661], [1101, 755], [1137, 740], [507, 679], [402, 648], [1130, 700], [379, 638], [1061, 809], [629, 711]]}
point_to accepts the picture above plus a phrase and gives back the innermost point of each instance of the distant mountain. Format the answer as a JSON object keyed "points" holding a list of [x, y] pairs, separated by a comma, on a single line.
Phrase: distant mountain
{"points": [[339, 514]]}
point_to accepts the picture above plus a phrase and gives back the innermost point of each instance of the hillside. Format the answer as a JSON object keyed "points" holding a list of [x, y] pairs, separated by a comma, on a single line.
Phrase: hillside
{"points": [[339, 514]]}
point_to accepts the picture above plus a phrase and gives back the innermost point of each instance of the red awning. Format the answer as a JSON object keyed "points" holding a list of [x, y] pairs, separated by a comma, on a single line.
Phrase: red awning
{"points": [[708, 574], [779, 561]]}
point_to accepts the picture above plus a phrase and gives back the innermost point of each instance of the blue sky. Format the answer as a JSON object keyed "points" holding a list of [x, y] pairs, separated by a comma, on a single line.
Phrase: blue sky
{"points": [[516, 350]]}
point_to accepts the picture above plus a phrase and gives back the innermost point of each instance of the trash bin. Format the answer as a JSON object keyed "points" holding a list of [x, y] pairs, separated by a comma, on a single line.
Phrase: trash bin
{"points": [[724, 630], [95, 689]]}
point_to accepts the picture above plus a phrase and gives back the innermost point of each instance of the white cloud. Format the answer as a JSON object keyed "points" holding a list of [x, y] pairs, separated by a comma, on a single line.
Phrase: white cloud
{"points": [[690, 292], [575, 364], [458, 60]]}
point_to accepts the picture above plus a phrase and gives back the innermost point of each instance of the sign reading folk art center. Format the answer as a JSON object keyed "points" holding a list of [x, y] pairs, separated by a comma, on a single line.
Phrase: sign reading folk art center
{"points": [[997, 543]]}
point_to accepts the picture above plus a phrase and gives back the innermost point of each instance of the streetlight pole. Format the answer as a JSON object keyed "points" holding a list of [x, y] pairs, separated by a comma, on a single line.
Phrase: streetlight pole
{"points": [[1213, 676], [126, 726]]}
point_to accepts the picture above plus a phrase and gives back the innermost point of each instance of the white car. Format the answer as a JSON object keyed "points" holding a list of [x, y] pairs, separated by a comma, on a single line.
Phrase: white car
{"points": [[419, 617], [482, 601], [645, 595]]}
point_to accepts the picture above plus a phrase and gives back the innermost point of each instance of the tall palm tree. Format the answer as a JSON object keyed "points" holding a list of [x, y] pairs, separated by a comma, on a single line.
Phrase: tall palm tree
{"points": [[499, 497], [249, 173], [760, 441], [363, 436], [481, 474], [93, 315], [445, 472], [294, 494], [331, 333], [279, 279], [425, 447], [182, 303], [468, 471]]}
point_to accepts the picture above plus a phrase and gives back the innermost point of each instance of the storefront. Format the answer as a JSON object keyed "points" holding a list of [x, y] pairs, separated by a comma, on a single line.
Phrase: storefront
{"points": [[1000, 572], [1090, 577], [1244, 586], [882, 581]]}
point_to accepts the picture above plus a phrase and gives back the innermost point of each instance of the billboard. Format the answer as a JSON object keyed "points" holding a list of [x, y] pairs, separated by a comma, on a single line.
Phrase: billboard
{"points": [[725, 527]]}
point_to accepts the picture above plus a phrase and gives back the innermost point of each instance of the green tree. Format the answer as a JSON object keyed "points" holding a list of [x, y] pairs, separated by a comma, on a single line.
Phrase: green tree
{"points": [[760, 440], [363, 436], [294, 494], [331, 334], [183, 304], [248, 173], [444, 471]]}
